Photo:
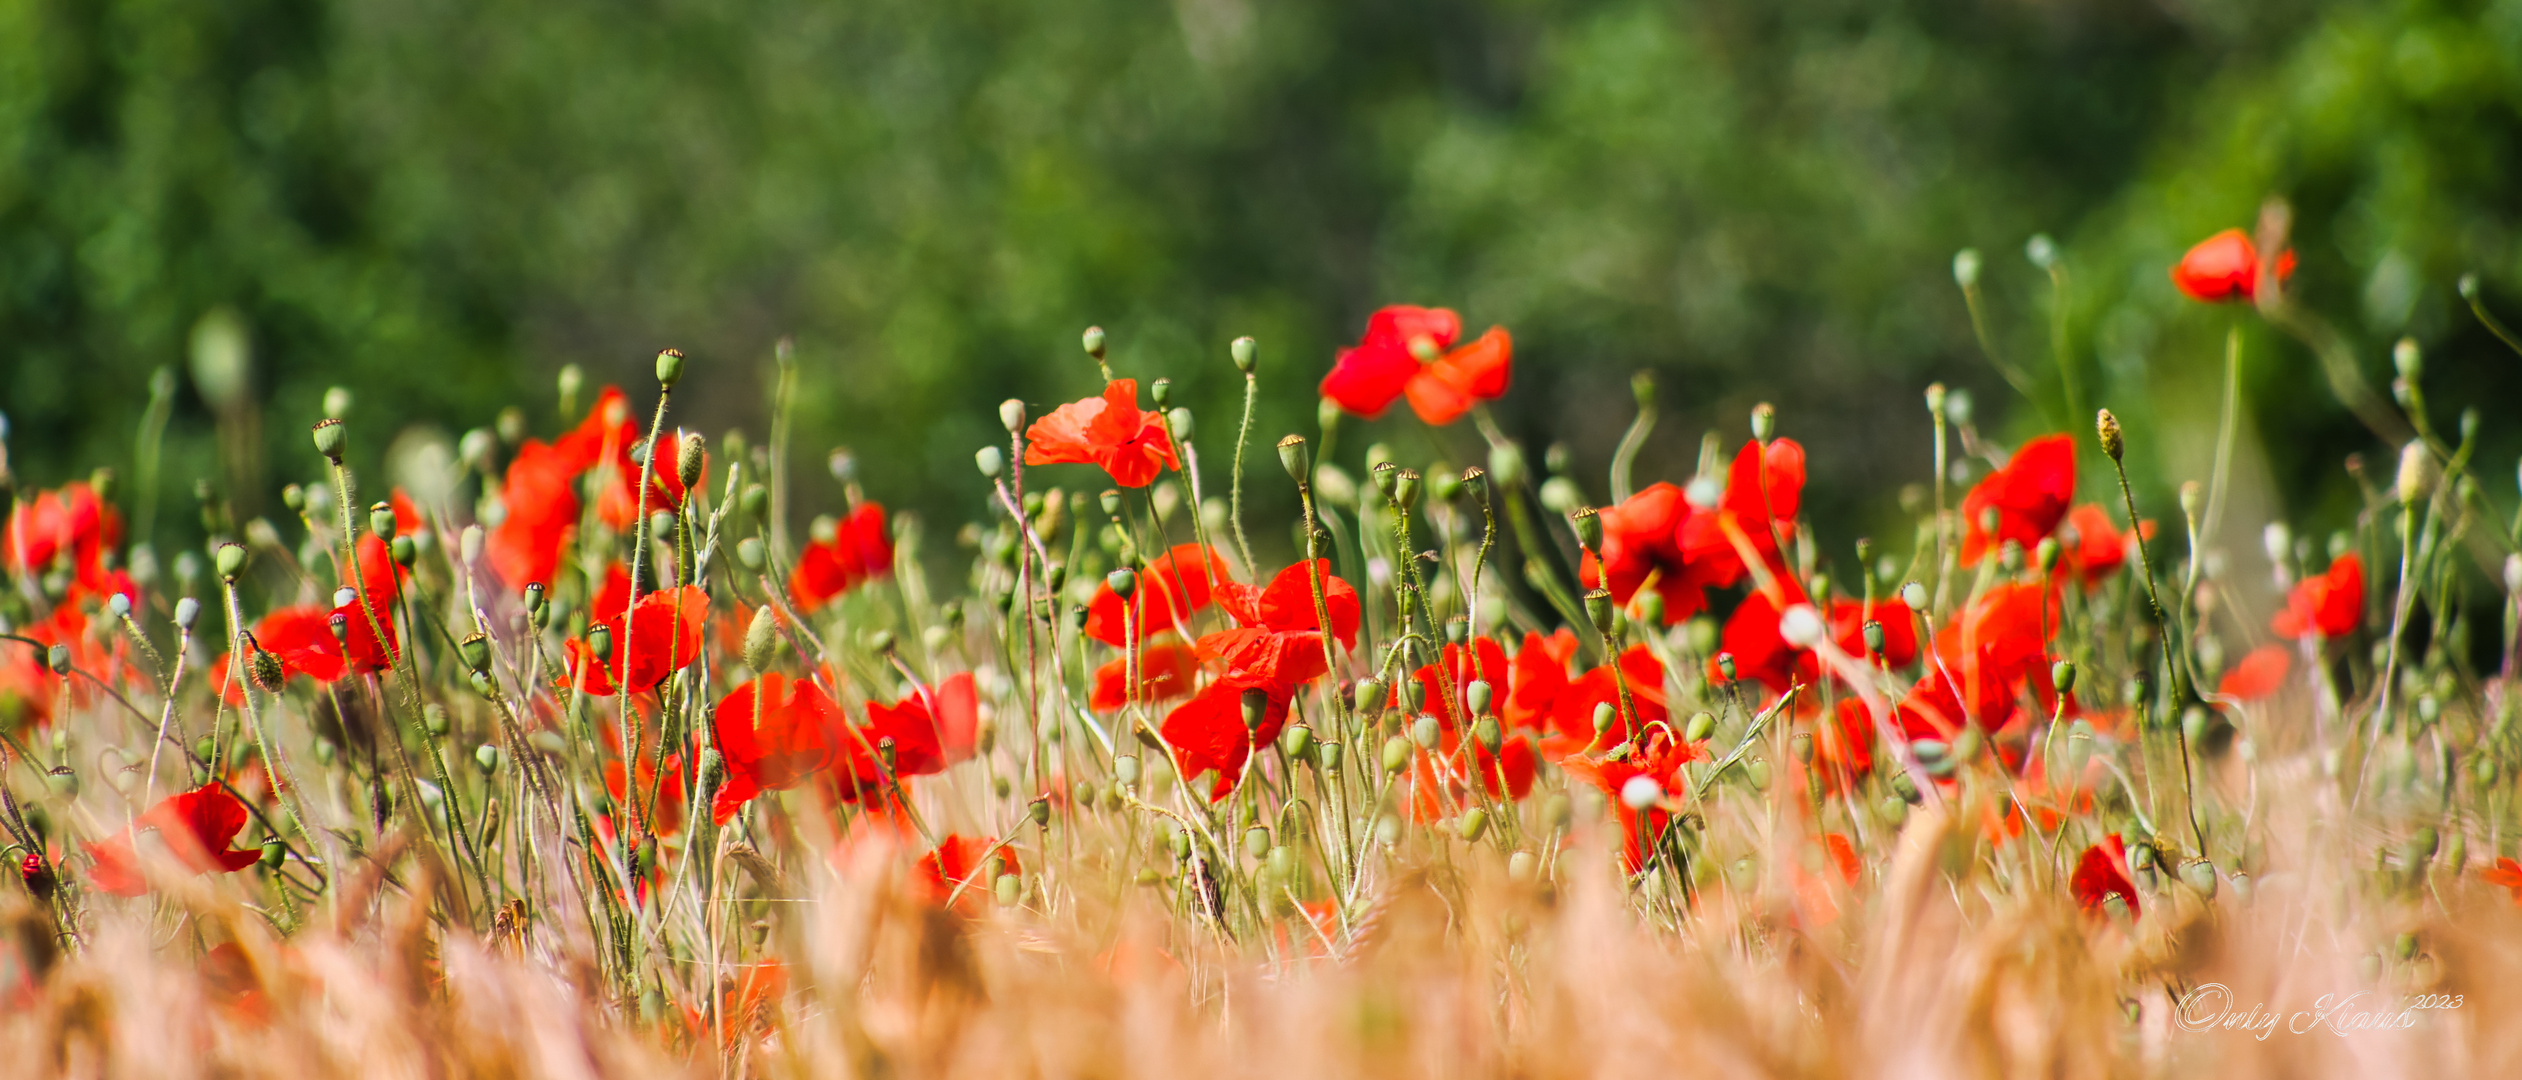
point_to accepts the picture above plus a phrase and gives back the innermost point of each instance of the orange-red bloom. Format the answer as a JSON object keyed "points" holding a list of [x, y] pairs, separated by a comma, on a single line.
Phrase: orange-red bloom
{"points": [[1657, 537], [1658, 757], [1109, 431], [1985, 664], [1404, 353], [2258, 675], [196, 827], [860, 551], [2030, 496], [963, 863], [1165, 672], [2330, 604], [71, 527], [774, 732], [2505, 874], [2101, 873], [1561, 709], [658, 637], [2226, 267], [2091, 546], [1173, 586], [1278, 648]]}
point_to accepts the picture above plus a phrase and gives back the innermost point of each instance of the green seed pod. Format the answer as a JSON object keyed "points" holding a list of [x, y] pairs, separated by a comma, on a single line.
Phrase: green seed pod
{"points": [[1282, 865], [1475, 824], [1758, 770], [1125, 768], [1475, 484], [381, 519], [1966, 745], [1297, 458], [1650, 605], [1256, 708], [230, 559], [1873, 637], [1764, 422], [1396, 754], [1246, 354], [1425, 730], [187, 612], [1478, 697], [1725, 665], [1506, 463], [761, 639], [991, 461], [1485, 730], [1388, 830], [329, 439], [1370, 695], [1605, 717], [1914, 596], [1039, 811], [2062, 676], [1604, 614], [1702, 726], [1557, 811], [1330, 753], [600, 641], [62, 781], [1802, 746], [475, 649], [1092, 339], [669, 368], [57, 658], [2200, 876], [273, 853], [434, 716], [1297, 741], [487, 757], [1256, 841], [750, 553], [1123, 582], [1406, 485]]}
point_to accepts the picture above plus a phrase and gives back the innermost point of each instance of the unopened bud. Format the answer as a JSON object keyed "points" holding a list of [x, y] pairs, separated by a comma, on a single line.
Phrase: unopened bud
{"points": [[1396, 754], [230, 558], [187, 612], [1475, 824], [1702, 726], [1477, 696], [2107, 426], [1370, 693], [991, 461], [690, 459], [1246, 353], [1605, 716], [2416, 472], [2409, 361], [1092, 339], [1966, 268], [267, 672], [2062, 676], [1764, 422]]}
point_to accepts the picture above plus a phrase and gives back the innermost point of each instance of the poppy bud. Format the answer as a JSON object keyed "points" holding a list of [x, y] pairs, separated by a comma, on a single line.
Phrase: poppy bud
{"points": [[1485, 730], [1725, 665], [1966, 268], [1477, 696], [2041, 250], [991, 461], [2107, 426], [1914, 596], [1256, 708], [1246, 353], [2062, 676], [1600, 609], [1641, 792], [1506, 462], [58, 659], [403, 551], [1589, 528], [669, 368], [1296, 741], [2045, 553], [1873, 637], [1296, 457], [1904, 787], [1444, 485], [1521, 865], [2416, 472], [1180, 418], [434, 717], [486, 757], [187, 612], [329, 437], [1092, 339], [1764, 422], [689, 460], [119, 605], [468, 544], [1475, 824], [1161, 392], [1702, 726], [1011, 413], [2405, 357], [1425, 730], [600, 641], [1557, 811], [1650, 607], [1370, 695], [476, 652], [1405, 488], [1936, 391], [1605, 715], [749, 553], [1397, 754], [230, 559], [1123, 582]]}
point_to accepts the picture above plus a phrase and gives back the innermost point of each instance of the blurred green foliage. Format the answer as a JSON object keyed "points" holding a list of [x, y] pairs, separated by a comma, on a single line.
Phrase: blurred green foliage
{"points": [[438, 202]]}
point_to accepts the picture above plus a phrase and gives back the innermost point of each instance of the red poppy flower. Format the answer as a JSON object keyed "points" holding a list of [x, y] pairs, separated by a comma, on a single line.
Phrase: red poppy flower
{"points": [[2030, 496], [1570, 711], [1657, 537], [2091, 545], [1843, 750], [2330, 604], [1535, 679], [1165, 672], [1109, 431], [1483, 659], [1900, 629], [540, 498], [1442, 778], [196, 828], [661, 635], [909, 731], [1207, 733], [1986, 663], [2101, 873], [665, 798], [69, 526], [1843, 857], [774, 732], [1404, 354], [2226, 267], [1173, 586], [860, 551], [965, 863], [2258, 675], [2505, 874], [956, 703], [1660, 758], [28, 687], [1280, 640]]}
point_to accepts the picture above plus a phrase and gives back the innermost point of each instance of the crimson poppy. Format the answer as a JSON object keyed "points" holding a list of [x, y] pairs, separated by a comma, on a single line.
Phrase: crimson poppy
{"points": [[773, 732], [2030, 496], [71, 526], [907, 732], [2226, 267], [956, 703], [1844, 748], [540, 500], [1571, 710], [196, 828], [2329, 604], [1900, 630], [1165, 672], [1109, 431], [2507, 874], [661, 634], [1405, 353], [2102, 873], [1171, 588], [1753, 638], [1985, 663], [1659, 758], [1444, 776], [966, 865], [1482, 659], [2259, 674], [1658, 537], [664, 797], [1280, 639], [1535, 679], [860, 551], [2092, 546]]}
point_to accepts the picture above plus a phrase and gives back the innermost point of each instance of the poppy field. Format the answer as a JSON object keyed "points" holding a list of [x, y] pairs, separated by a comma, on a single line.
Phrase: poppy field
{"points": [[1475, 767]]}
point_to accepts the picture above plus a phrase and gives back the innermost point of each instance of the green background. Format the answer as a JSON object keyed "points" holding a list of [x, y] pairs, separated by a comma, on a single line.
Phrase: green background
{"points": [[438, 202]]}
